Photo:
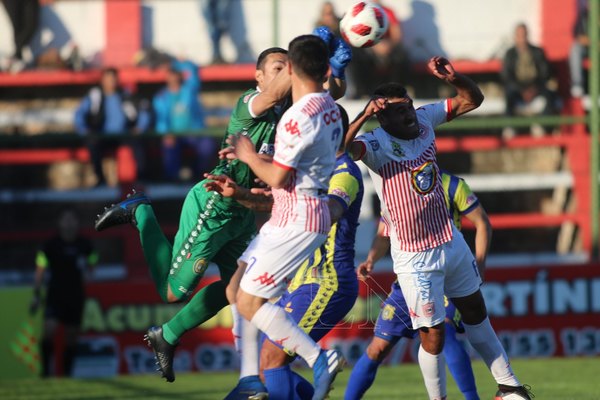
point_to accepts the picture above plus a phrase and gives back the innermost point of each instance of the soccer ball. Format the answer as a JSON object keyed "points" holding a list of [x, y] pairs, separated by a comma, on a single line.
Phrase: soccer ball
{"points": [[364, 24]]}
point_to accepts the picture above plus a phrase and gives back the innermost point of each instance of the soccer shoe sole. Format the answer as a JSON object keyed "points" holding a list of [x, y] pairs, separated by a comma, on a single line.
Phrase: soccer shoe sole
{"points": [[120, 213]]}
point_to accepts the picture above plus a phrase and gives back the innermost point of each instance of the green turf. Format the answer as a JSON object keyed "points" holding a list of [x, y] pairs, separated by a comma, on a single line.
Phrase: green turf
{"points": [[550, 379]]}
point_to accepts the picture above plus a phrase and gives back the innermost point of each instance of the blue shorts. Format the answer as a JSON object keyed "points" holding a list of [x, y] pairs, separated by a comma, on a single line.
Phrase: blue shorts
{"points": [[316, 309], [394, 321]]}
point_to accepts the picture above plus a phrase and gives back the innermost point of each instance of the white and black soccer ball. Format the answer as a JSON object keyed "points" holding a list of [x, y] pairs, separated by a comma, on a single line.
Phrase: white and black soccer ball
{"points": [[364, 24]]}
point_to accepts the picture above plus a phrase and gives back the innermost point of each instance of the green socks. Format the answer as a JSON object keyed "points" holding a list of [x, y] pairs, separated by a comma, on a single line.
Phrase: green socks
{"points": [[157, 248], [204, 305]]}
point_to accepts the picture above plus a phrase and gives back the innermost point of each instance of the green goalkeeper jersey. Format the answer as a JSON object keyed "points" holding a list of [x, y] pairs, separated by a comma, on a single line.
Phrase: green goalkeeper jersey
{"points": [[260, 129]]}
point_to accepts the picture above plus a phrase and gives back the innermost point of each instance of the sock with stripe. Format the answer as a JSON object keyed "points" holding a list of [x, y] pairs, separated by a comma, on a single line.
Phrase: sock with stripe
{"points": [[282, 329], [459, 364], [361, 378]]}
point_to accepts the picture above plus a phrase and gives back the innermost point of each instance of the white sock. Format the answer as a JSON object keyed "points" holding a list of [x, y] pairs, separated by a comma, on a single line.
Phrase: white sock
{"points": [[276, 324], [236, 329], [483, 339], [433, 368]]}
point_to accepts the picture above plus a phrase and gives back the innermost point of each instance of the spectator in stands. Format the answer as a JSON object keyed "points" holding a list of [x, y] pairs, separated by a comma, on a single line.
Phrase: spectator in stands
{"points": [[579, 51], [178, 111], [24, 16], [105, 115], [387, 61], [526, 75], [227, 17], [329, 18], [68, 258]]}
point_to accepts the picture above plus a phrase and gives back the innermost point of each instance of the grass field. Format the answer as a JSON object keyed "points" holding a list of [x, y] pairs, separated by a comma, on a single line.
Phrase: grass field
{"points": [[550, 379]]}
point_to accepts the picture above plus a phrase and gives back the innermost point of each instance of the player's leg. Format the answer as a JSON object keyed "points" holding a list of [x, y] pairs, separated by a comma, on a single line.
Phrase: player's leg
{"points": [[393, 323], [273, 256], [457, 359], [421, 278], [71, 319], [47, 343], [462, 287]]}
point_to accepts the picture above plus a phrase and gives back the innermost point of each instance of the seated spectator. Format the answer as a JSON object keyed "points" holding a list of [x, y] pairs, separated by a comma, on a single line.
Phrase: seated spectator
{"points": [[227, 17], [178, 110], [106, 114], [526, 74], [387, 61], [24, 17], [579, 51], [329, 18]]}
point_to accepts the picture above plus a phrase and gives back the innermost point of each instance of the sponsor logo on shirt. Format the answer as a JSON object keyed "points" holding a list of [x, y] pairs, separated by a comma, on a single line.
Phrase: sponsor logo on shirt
{"points": [[341, 194], [397, 149], [267, 148], [291, 127], [471, 199], [247, 97], [423, 178]]}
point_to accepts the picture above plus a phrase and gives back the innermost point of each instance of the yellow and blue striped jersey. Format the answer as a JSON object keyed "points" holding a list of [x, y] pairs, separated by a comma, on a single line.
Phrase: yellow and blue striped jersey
{"points": [[460, 199], [334, 260]]}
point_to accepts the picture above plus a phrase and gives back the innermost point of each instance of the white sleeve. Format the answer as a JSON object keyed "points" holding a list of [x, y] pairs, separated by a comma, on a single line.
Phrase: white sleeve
{"points": [[294, 134], [372, 155], [435, 113]]}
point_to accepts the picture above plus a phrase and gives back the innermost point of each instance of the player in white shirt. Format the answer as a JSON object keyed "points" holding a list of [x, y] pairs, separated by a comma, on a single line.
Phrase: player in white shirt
{"points": [[430, 255], [307, 138]]}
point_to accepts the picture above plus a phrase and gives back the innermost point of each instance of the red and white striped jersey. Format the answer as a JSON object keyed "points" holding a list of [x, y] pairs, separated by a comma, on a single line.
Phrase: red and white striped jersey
{"points": [[308, 136], [410, 187]]}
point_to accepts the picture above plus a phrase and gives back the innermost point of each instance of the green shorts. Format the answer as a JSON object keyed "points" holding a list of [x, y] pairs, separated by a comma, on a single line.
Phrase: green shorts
{"points": [[221, 237]]}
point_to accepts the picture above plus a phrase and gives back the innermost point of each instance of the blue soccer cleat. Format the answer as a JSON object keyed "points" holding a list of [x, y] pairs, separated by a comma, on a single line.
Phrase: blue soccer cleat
{"points": [[326, 368], [248, 388], [122, 212]]}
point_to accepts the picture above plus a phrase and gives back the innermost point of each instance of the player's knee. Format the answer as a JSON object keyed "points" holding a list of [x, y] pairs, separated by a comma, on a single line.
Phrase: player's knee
{"points": [[432, 339], [472, 308], [248, 304], [378, 349]]}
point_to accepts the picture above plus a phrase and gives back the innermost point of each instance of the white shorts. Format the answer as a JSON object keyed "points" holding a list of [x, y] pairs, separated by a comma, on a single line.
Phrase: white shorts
{"points": [[426, 276], [274, 256]]}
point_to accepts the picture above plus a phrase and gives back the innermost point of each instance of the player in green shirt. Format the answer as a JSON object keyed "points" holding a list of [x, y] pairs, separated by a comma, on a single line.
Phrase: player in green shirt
{"points": [[211, 228]]}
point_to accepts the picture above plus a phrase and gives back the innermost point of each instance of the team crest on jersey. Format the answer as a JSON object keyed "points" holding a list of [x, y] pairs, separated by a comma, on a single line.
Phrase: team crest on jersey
{"points": [[397, 149], [267, 148], [200, 266], [428, 309], [387, 314], [374, 144], [424, 177]]}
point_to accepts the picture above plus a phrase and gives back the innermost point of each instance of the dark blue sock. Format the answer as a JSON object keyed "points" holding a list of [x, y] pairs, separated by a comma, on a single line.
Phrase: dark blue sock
{"points": [[459, 364], [302, 388], [361, 378], [279, 383]]}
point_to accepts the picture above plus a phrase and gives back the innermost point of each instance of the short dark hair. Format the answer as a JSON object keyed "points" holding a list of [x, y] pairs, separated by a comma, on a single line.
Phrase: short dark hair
{"points": [[390, 89], [111, 71], [345, 123], [309, 57], [262, 57]]}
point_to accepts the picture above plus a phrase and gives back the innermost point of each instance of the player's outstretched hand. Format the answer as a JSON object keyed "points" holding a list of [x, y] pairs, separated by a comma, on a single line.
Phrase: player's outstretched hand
{"points": [[341, 57], [221, 184], [364, 270], [441, 68]]}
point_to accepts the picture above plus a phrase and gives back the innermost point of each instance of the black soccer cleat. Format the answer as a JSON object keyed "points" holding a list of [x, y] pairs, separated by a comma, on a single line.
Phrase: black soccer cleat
{"points": [[163, 352], [506, 392], [122, 212]]}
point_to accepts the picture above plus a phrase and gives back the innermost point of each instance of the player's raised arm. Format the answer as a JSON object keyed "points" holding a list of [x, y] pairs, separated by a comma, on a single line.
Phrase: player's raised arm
{"points": [[277, 89], [483, 236], [468, 96]]}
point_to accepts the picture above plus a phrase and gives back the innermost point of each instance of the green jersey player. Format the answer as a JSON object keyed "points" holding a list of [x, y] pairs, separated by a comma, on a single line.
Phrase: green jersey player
{"points": [[211, 228]]}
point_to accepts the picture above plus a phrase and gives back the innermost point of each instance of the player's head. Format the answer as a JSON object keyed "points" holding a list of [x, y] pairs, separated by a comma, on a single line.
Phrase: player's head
{"points": [[345, 125], [268, 65], [399, 118], [109, 80], [68, 223], [521, 35], [309, 58]]}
